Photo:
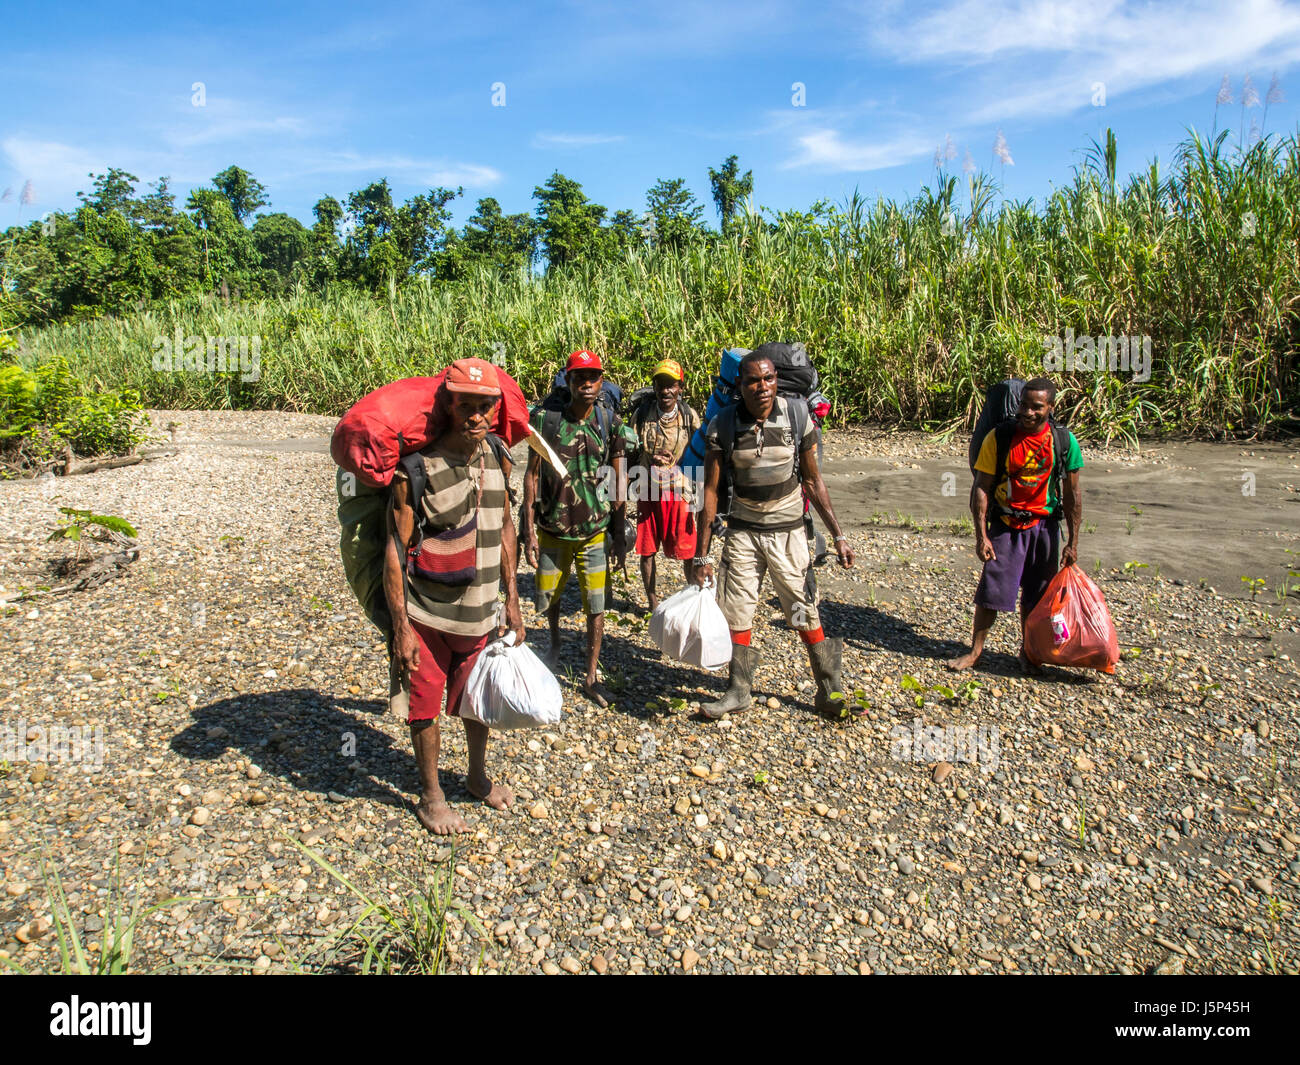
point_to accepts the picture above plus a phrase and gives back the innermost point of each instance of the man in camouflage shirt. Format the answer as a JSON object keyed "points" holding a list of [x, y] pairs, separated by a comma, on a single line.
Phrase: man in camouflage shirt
{"points": [[569, 518]]}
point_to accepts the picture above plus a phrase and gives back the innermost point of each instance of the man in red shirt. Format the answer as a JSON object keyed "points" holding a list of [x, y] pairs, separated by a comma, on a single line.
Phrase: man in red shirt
{"points": [[1016, 536]]}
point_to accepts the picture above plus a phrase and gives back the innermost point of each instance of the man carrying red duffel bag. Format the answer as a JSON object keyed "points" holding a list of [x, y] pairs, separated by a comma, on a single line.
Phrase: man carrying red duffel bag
{"points": [[1026, 483], [429, 559]]}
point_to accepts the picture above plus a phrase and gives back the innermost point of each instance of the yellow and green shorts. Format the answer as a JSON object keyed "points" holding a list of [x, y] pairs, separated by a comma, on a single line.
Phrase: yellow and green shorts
{"points": [[556, 556]]}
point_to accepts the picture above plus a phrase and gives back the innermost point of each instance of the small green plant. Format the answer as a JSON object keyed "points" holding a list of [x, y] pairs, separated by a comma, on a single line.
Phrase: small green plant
{"points": [[74, 523], [315, 602], [1130, 567], [910, 684], [1205, 690], [1255, 584], [118, 944], [1275, 908], [1090, 526], [860, 701], [1081, 823], [399, 935], [760, 778]]}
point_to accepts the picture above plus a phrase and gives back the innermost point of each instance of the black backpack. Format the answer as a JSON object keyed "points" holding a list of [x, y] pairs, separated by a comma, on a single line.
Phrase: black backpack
{"points": [[998, 415], [795, 373], [608, 404]]}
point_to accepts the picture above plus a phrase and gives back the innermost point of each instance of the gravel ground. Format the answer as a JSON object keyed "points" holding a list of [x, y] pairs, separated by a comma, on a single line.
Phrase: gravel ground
{"points": [[1141, 822]]}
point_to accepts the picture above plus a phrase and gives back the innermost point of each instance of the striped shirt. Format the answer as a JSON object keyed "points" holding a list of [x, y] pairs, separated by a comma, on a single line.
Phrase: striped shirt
{"points": [[465, 610], [766, 494]]}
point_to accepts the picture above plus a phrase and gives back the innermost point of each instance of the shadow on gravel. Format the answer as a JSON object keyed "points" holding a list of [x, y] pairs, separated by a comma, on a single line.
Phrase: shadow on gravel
{"points": [[866, 628], [309, 739]]}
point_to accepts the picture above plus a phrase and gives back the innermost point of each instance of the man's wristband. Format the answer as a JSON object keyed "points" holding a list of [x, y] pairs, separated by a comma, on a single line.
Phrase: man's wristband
{"points": [[702, 560], [841, 539]]}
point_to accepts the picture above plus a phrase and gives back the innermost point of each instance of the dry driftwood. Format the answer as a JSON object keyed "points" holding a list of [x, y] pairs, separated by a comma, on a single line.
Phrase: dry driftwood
{"points": [[122, 460], [100, 570]]}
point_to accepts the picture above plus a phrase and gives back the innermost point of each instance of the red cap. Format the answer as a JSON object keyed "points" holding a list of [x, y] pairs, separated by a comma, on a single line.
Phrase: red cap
{"points": [[582, 359], [476, 376]]}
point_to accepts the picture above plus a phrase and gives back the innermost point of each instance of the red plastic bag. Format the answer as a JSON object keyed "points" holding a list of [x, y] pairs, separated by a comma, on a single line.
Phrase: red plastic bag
{"points": [[1071, 626], [396, 419]]}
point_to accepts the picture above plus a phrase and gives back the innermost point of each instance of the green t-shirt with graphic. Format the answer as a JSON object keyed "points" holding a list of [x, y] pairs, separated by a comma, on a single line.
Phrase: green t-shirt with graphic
{"points": [[577, 507]]}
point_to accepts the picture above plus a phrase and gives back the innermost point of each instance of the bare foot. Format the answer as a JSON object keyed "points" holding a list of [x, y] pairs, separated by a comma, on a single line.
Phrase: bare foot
{"points": [[1027, 667], [963, 662], [497, 796], [597, 693], [439, 818]]}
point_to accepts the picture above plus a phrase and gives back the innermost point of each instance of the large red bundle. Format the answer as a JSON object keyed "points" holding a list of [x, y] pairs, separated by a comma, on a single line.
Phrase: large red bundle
{"points": [[397, 419], [1071, 626]]}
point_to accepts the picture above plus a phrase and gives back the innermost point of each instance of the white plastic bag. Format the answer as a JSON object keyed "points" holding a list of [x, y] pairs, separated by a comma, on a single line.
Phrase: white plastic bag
{"points": [[510, 687], [689, 627]]}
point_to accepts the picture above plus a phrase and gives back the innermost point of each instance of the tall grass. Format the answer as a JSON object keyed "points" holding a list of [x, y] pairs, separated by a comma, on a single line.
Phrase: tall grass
{"points": [[907, 309]]}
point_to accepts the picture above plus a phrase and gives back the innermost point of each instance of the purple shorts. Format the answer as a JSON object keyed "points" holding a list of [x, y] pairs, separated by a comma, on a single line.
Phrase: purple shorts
{"points": [[1026, 560]]}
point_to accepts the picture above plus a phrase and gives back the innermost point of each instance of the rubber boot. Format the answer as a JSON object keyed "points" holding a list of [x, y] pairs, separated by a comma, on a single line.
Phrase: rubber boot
{"points": [[740, 678], [825, 656]]}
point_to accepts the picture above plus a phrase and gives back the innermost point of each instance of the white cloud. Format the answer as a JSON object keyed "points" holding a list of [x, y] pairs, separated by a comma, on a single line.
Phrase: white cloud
{"points": [[574, 140], [1041, 57], [825, 149], [469, 174], [419, 171], [59, 171], [55, 170]]}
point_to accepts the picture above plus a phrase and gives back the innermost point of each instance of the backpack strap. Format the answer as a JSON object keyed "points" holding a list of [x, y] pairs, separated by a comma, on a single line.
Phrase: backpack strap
{"points": [[1060, 452], [727, 433], [1002, 433], [418, 475], [501, 453], [799, 413], [604, 423]]}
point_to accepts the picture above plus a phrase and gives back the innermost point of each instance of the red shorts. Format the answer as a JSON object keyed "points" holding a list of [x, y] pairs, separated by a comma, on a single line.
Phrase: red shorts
{"points": [[666, 522], [445, 664]]}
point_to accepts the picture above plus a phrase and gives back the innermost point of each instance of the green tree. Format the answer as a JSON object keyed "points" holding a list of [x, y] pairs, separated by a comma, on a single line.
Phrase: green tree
{"points": [[729, 188], [676, 214], [389, 241], [228, 253], [625, 232], [242, 191], [113, 191], [503, 241], [569, 225], [281, 242]]}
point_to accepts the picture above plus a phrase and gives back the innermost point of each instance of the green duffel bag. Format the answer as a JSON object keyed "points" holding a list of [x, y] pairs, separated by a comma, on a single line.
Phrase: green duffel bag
{"points": [[363, 538]]}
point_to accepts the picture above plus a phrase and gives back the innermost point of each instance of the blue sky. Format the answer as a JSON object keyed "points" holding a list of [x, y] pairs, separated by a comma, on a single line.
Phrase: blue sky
{"points": [[324, 99]]}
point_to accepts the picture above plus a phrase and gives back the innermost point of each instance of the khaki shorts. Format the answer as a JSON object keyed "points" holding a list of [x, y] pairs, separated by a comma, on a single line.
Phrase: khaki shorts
{"points": [[747, 556]]}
